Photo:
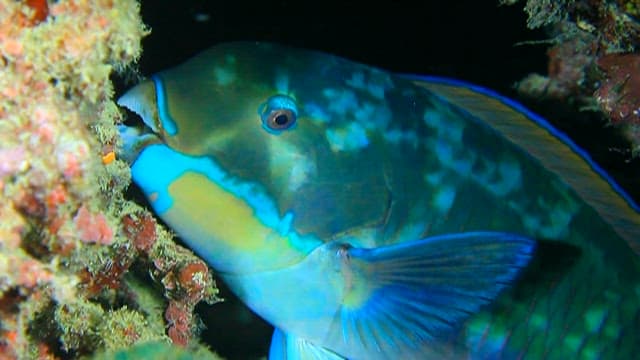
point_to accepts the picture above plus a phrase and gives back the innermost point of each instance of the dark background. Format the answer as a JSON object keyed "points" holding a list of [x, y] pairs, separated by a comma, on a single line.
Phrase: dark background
{"points": [[471, 40]]}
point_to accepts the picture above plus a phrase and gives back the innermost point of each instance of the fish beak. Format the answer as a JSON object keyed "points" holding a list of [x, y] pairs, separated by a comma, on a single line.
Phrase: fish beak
{"points": [[141, 101]]}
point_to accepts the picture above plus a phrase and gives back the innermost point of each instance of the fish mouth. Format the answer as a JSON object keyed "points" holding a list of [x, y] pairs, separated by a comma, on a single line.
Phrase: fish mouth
{"points": [[136, 134], [134, 140]]}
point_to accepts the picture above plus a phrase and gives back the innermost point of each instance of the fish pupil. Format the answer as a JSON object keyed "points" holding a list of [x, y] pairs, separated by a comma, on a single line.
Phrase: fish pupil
{"points": [[281, 119]]}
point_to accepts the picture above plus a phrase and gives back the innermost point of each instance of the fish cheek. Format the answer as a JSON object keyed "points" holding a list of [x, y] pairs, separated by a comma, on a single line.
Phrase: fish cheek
{"points": [[214, 212]]}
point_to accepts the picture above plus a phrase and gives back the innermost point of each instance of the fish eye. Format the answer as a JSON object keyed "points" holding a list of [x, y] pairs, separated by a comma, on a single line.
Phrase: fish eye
{"points": [[280, 119], [278, 113]]}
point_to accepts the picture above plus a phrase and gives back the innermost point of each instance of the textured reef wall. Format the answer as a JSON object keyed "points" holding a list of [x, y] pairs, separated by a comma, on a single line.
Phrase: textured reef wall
{"points": [[81, 269], [593, 58]]}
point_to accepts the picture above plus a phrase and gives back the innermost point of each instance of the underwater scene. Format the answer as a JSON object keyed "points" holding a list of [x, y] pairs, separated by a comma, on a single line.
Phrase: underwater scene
{"points": [[319, 180]]}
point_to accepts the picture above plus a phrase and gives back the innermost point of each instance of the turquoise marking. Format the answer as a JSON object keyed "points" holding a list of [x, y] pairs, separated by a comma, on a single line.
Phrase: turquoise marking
{"points": [[351, 137], [316, 113], [448, 127], [340, 101], [376, 84], [444, 152], [372, 116], [284, 227], [357, 80], [443, 198], [345, 103], [224, 76], [157, 179], [538, 120], [397, 136], [153, 179], [501, 178], [435, 178], [434, 118], [282, 83], [167, 122], [509, 179]]}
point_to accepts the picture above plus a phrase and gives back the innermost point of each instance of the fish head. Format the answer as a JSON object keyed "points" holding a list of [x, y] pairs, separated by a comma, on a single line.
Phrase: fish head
{"points": [[261, 134], [221, 103]]}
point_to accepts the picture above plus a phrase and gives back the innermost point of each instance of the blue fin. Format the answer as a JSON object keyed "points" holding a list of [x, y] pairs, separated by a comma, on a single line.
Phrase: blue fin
{"points": [[288, 347], [403, 298], [548, 145]]}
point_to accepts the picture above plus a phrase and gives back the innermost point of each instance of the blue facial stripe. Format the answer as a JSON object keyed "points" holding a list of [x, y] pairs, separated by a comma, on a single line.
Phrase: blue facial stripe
{"points": [[167, 122], [155, 181]]}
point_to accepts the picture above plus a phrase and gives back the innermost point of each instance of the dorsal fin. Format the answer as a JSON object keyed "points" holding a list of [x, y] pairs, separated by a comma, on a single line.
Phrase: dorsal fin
{"points": [[548, 145]]}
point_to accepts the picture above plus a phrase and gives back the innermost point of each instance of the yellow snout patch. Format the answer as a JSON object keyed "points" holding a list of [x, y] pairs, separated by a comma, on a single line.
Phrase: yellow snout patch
{"points": [[210, 213]]}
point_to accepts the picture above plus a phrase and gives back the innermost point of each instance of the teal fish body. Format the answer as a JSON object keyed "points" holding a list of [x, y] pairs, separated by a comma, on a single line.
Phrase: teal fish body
{"points": [[370, 215]]}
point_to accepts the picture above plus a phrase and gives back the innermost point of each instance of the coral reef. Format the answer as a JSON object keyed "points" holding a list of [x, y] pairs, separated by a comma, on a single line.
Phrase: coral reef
{"points": [[158, 351], [82, 269], [594, 60]]}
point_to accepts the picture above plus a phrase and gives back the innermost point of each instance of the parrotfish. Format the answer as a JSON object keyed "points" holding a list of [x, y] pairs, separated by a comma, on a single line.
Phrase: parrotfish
{"points": [[373, 215]]}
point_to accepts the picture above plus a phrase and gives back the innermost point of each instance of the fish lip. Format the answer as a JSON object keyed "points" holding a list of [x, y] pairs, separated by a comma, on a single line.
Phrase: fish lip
{"points": [[134, 140], [139, 130], [135, 135]]}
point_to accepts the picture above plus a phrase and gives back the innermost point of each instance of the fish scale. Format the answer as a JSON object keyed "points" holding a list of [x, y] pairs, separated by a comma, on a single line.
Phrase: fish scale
{"points": [[369, 215], [565, 329]]}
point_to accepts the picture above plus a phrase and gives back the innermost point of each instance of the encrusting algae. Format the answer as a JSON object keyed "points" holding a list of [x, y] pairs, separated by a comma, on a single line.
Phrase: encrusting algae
{"points": [[68, 238], [75, 255], [593, 59]]}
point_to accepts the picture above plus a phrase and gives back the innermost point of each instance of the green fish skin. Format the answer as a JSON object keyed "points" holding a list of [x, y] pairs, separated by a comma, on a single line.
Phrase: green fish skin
{"points": [[371, 215]]}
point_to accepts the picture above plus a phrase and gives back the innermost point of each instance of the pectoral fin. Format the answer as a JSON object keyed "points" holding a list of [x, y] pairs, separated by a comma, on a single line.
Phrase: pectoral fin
{"points": [[288, 347], [403, 298]]}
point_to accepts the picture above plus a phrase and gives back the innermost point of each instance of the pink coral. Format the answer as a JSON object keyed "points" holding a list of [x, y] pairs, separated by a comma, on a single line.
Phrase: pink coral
{"points": [[12, 160], [58, 192], [619, 92], [32, 273], [178, 317], [92, 227]]}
